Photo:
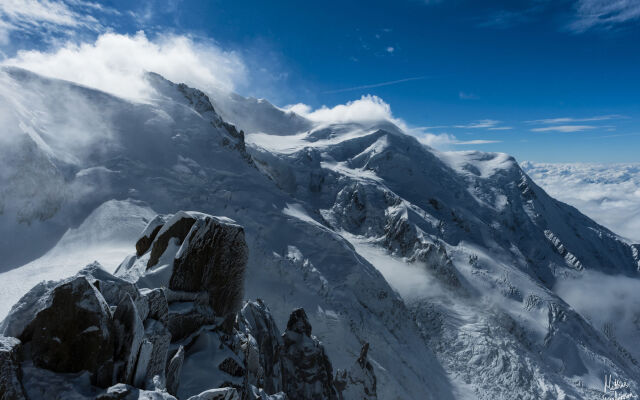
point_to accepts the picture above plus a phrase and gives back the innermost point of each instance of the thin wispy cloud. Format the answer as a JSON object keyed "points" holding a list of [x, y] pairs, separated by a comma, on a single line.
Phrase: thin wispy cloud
{"points": [[467, 96], [49, 15], [604, 13], [375, 85], [444, 141], [483, 123], [500, 128], [569, 120], [564, 128]]}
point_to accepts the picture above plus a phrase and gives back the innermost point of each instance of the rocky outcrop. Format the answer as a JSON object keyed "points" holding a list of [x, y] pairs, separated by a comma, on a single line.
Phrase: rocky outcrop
{"points": [[186, 337], [73, 332], [307, 371], [10, 375], [358, 382], [213, 259]]}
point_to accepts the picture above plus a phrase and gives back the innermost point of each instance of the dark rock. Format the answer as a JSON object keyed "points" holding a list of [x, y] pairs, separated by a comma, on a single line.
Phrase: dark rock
{"points": [[181, 223], [10, 374], [261, 325], [74, 332], [231, 367], [174, 369], [153, 227], [214, 261], [157, 304], [306, 370], [159, 337], [359, 382], [299, 323], [187, 317], [129, 333], [112, 288]]}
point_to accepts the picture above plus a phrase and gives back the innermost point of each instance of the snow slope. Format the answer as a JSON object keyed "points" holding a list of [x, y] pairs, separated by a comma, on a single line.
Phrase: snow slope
{"points": [[448, 264]]}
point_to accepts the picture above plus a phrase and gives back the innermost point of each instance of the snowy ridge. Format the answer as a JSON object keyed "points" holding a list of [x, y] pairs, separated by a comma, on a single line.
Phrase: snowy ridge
{"points": [[446, 263]]}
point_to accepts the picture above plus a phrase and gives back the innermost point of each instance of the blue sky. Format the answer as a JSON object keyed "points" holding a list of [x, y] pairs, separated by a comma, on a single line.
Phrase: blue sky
{"points": [[553, 81]]}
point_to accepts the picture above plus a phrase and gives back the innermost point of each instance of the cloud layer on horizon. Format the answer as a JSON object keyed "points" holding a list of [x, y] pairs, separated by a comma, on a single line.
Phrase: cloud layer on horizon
{"points": [[607, 193]]}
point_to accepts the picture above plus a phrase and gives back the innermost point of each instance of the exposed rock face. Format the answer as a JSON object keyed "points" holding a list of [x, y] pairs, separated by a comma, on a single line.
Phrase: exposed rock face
{"points": [[129, 333], [189, 339], [10, 386], [260, 323], [213, 260], [358, 382], [74, 332], [307, 371], [178, 227], [174, 369]]}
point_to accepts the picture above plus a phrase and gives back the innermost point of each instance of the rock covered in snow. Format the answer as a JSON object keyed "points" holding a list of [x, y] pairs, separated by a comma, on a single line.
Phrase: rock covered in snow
{"points": [[307, 371], [96, 330], [71, 332]]}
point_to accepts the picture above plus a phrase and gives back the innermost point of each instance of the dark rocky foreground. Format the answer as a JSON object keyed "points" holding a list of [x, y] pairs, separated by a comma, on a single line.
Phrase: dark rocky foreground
{"points": [[170, 323]]}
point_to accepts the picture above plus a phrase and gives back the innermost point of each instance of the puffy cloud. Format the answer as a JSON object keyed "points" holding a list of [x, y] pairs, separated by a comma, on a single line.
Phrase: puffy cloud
{"points": [[368, 108], [115, 63], [610, 194]]}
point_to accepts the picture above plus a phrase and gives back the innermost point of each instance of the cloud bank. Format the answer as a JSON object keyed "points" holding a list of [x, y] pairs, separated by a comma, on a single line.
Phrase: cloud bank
{"points": [[609, 194], [610, 303], [116, 63]]}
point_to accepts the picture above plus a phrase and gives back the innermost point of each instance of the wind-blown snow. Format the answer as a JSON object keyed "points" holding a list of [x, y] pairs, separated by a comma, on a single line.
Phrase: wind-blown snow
{"points": [[608, 193]]}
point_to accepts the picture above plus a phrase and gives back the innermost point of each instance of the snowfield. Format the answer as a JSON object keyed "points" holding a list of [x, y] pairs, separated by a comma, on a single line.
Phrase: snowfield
{"points": [[456, 267]]}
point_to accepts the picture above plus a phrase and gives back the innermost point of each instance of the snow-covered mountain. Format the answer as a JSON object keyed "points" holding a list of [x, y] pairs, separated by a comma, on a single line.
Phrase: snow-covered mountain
{"points": [[447, 264]]}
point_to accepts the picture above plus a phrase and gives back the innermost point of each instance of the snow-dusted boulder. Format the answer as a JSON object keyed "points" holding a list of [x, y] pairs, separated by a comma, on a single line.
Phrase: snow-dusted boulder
{"points": [[307, 371], [68, 328], [10, 386]]}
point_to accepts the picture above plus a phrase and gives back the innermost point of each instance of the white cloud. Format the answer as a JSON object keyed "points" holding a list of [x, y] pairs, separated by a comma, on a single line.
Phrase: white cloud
{"points": [[366, 109], [50, 15], [610, 303], [115, 63], [483, 123], [467, 96], [564, 128], [609, 194], [569, 120], [446, 141], [390, 49], [604, 13]]}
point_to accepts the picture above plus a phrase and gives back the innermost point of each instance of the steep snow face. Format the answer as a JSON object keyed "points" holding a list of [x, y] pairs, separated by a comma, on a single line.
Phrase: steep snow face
{"points": [[175, 152], [472, 248]]}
